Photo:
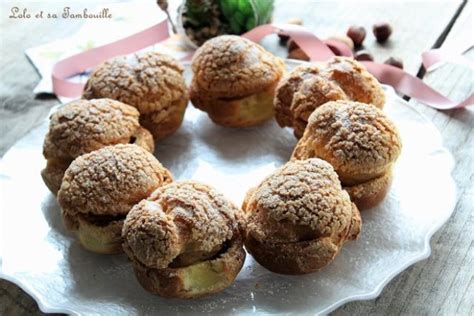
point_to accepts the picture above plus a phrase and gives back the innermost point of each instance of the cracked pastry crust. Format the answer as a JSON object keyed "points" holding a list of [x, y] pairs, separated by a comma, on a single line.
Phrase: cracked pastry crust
{"points": [[359, 141], [101, 187], [185, 241], [370, 193], [310, 85], [286, 89], [234, 81], [151, 82], [83, 126], [299, 217]]}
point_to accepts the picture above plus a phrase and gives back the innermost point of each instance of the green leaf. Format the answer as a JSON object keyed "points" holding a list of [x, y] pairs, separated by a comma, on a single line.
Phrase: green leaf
{"points": [[245, 8], [250, 23], [226, 9], [233, 4], [235, 26], [264, 10], [239, 18]]}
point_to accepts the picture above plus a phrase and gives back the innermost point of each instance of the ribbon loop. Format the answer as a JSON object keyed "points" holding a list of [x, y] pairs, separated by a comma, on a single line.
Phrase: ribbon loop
{"points": [[400, 80], [315, 48], [79, 63]]}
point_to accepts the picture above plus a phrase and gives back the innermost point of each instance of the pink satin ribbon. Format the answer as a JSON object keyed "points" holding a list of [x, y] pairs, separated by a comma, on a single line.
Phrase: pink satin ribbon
{"points": [[400, 80], [316, 49], [414, 87], [79, 63], [435, 56]]}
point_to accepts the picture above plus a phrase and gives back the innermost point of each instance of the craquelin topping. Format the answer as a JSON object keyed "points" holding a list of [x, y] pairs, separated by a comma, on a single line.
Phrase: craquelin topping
{"points": [[82, 126], [232, 66], [179, 219], [303, 199], [150, 82], [109, 181], [356, 134]]}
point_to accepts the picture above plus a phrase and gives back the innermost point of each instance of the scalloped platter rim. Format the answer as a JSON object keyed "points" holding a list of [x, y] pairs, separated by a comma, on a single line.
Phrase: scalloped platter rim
{"points": [[41, 257]]}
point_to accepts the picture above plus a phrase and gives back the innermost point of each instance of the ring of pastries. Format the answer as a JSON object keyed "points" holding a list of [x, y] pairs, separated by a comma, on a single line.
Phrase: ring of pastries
{"points": [[184, 241], [100, 188], [299, 217], [308, 86], [234, 81], [83, 126], [151, 82], [359, 141]]}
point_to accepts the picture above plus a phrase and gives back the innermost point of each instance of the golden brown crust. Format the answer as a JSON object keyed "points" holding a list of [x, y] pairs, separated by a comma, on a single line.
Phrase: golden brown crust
{"points": [[109, 181], [165, 122], [83, 126], [234, 81], [302, 199], [231, 66], [303, 256], [195, 281], [312, 92], [341, 78], [357, 139], [235, 112], [371, 193], [53, 173], [98, 237], [184, 228], [177, 218], [356, 224], [143, 138], [299, 217], [151, 82], [286, 89], [293, 258], [358, 84]]}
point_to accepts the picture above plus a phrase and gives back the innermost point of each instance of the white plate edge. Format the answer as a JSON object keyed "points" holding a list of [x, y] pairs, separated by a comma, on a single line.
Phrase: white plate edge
{"points": [[46, 308]]}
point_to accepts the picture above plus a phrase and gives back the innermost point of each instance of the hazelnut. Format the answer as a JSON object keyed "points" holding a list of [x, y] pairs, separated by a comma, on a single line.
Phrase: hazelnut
{"points": [[344, 39], [394, 61], [363, 55], [357, 34], [284, 38], [298, 53], [382, 31], [295, 21]]}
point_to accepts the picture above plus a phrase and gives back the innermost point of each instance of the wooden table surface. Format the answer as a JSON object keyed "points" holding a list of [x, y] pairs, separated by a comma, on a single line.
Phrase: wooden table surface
{"points": [[442, 284]]}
